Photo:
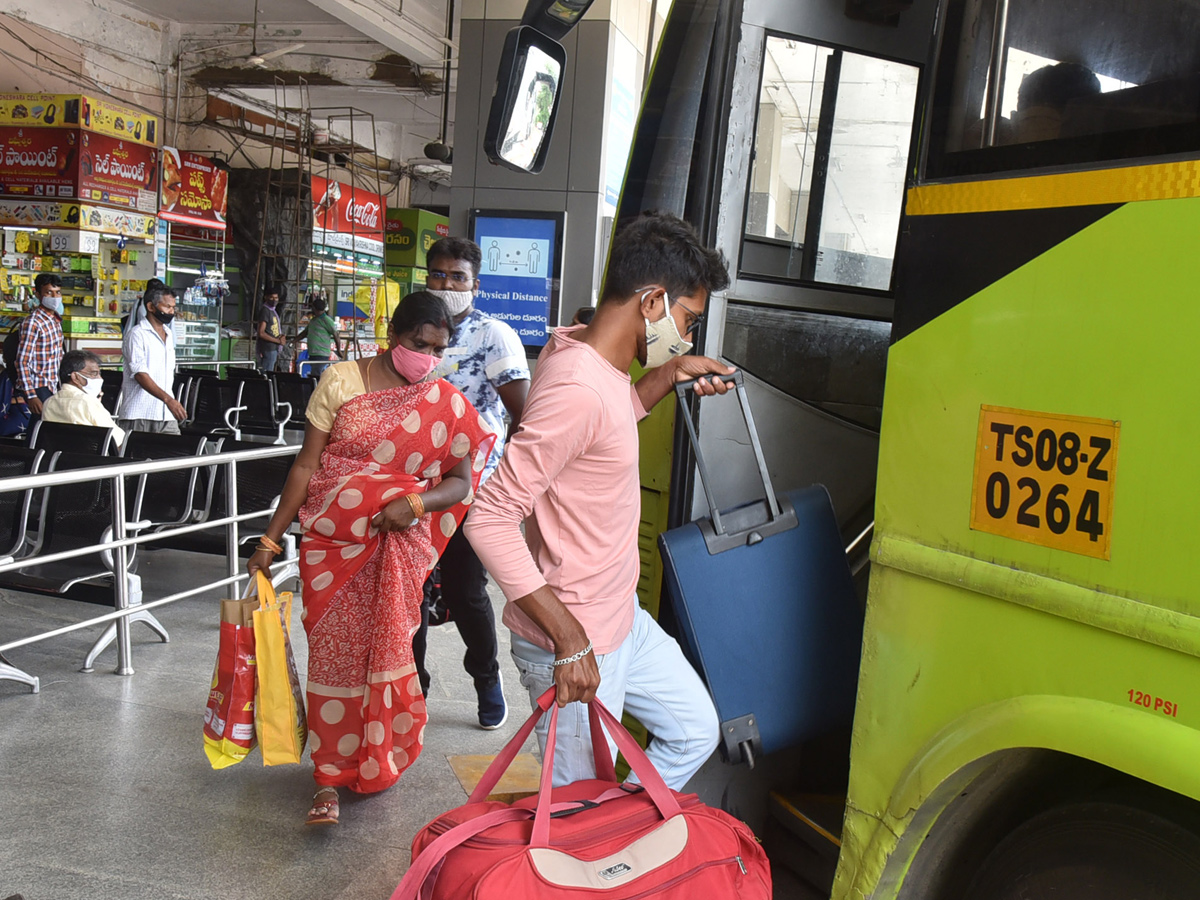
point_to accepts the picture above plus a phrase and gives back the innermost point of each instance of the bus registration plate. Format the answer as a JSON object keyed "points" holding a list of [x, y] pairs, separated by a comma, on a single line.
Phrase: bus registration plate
{"points": [[1046, 479]]}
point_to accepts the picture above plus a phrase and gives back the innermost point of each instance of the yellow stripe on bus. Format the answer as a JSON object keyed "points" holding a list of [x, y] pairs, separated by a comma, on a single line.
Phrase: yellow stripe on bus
{"points": [[1167, 181]]}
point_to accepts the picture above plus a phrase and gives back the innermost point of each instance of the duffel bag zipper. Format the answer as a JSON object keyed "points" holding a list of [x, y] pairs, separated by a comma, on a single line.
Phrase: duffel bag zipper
{"points": [[684, 876], [646, 816]]}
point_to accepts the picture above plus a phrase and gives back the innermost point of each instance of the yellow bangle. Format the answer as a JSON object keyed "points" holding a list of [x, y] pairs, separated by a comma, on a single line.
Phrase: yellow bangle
{"points": [[417, 505], [270, 544], [263, 549]]}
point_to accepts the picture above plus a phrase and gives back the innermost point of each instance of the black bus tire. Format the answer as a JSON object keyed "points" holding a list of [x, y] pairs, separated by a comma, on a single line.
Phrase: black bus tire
{"points": [[1092, 851]]}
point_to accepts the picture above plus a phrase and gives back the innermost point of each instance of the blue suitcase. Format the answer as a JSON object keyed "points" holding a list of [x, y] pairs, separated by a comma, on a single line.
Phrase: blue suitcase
{"points": [[766, 608]]}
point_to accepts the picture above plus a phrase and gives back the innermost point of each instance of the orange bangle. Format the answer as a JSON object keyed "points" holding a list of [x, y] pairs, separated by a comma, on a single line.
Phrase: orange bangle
{"points": [[417, 505], [271, 545]]}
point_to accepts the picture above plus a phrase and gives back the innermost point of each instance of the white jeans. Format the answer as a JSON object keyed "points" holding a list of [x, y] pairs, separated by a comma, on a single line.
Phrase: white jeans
{"points": [[646, 676]]}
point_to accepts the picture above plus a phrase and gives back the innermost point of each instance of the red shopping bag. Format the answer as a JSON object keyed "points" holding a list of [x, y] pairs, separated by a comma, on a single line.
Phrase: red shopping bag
{"points": [[625, 840], [229, 716]]}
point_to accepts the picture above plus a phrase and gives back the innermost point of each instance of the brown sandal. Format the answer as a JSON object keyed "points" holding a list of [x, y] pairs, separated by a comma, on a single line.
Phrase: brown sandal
{"points": [[323, 812]]}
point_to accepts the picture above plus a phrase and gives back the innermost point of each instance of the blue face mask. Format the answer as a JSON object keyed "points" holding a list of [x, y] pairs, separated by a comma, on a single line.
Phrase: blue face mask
{"points": [[54, 304]]}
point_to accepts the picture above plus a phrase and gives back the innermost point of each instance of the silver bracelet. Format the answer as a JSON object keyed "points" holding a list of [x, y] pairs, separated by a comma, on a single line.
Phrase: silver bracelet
{"points": [[574, 659]]}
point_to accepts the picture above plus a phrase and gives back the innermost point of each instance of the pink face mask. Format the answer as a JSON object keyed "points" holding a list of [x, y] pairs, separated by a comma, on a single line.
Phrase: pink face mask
{"points": [[413, 367]]}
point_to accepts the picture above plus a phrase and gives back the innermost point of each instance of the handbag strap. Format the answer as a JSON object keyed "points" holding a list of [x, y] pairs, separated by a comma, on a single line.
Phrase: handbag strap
{"points": [[605, 771], [662, 796], [656, 788], [505, 757], [422, 867]]}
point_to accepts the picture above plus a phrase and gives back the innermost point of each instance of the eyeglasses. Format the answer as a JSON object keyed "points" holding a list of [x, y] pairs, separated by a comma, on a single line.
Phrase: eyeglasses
{"points": [[694, 323], [454, 277], [696, 318]]}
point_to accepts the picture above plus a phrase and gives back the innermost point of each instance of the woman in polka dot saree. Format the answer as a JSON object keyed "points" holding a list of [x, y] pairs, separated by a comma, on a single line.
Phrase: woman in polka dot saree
{"points": [[388, 465]]}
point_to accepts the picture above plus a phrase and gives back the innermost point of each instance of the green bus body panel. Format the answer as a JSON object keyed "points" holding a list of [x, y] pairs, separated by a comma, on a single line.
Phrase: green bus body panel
{"points": [[977, 643]]}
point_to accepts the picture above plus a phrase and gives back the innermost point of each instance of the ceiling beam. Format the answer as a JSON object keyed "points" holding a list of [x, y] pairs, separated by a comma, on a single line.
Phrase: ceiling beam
{"points": [[397, 31]]}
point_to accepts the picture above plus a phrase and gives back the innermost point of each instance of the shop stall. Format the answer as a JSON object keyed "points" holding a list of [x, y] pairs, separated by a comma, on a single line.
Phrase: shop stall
{"points": [[192, 241], [78, 196], [347, 264]]}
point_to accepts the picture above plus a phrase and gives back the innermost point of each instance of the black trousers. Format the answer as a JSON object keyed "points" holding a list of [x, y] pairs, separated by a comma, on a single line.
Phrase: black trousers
{"points": [[464, 591]]}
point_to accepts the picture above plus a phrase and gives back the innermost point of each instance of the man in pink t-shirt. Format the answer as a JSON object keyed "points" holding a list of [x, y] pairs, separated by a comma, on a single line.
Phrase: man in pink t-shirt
{"points": [[570, 474]]}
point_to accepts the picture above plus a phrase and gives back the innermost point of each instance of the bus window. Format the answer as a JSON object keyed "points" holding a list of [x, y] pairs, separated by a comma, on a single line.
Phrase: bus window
{"points": [[830, 160], [1032, 83]]}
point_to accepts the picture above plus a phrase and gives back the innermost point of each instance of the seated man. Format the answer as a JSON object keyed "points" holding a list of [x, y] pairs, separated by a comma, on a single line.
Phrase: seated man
{"points": [[78, 399]]}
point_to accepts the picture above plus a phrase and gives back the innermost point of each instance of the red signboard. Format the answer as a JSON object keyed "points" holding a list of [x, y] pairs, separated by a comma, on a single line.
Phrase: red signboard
{"points": [[194, 190], [38, 162], [116, 172], [347, 210]]}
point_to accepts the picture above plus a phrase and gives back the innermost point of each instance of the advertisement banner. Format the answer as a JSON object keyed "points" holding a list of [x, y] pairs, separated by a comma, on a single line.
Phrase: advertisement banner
{"points": [[38, 162], [118, 173], [44, 213], [106, 117], [194, 190], [519, 280], [77, 111], [38, 109], [115, 221], [410, 234], [347, 218]]}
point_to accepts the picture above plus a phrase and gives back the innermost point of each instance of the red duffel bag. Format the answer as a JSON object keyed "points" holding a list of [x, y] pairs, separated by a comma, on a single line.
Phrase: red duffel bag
{"points": [[628, 841]]}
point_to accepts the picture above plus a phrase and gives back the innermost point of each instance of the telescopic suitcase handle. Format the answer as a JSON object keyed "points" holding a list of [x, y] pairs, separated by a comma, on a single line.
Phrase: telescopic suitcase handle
{"points": [[682, 389]]}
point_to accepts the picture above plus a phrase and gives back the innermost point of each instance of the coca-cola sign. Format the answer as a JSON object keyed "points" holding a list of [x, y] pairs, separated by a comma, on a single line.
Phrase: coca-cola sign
{"points": [[364, 215], [342, 209]]}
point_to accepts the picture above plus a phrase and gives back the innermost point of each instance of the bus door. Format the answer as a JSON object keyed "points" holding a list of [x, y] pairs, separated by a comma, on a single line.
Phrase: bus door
{"points": [[787, 138], [816, 152]]}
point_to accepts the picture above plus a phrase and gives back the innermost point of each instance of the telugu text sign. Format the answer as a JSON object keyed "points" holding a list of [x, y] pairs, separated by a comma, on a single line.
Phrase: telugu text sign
{"points": [[116, 172], [516, 279], [194, 190], [38, 162]]}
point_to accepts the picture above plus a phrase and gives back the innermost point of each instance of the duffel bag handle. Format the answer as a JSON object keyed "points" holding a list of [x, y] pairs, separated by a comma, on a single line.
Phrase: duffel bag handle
{"points": [[661, 795], [600, 720], [600, 751]]}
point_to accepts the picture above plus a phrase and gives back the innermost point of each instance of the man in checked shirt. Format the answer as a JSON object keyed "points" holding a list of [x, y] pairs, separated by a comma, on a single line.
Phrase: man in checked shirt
{"points": [[40, 350]]}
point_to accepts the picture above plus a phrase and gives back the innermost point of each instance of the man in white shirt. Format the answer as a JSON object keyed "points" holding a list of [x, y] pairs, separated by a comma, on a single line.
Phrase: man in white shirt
{"points": [[146, 400], [78, 399]]}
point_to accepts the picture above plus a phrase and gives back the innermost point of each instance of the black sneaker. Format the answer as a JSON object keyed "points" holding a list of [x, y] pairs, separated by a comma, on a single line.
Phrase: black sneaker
{"points": [[493, 711]]}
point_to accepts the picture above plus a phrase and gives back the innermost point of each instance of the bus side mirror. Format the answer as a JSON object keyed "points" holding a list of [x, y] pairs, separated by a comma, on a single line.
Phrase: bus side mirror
{"points": [[525, 103]]}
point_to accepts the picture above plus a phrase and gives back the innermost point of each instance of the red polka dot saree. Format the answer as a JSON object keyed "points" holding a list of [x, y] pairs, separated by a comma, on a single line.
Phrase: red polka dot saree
{"points": [[363, 589]]}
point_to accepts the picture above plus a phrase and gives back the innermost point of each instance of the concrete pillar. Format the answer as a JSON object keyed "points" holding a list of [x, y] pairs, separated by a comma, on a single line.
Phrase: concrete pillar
{"points": [[601, 95]]}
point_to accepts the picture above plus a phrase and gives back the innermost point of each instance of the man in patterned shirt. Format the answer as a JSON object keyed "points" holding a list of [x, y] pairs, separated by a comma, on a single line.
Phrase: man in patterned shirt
{"points": [[40, 351], [486, 361]]}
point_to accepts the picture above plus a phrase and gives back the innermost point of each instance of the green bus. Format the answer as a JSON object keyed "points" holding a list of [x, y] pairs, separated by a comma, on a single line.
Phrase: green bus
{"points": [[962, 241]]}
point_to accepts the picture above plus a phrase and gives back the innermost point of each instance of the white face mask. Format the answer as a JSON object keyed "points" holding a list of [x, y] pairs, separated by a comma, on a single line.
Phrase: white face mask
{"points": [[93, 386], [458, 302], [663, 340]]}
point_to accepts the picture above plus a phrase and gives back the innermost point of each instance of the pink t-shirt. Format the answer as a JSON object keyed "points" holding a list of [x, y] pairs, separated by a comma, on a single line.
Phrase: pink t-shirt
{"points": [[571, 475]]}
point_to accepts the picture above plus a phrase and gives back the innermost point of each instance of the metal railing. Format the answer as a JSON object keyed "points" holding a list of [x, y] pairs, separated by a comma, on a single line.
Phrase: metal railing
{"points": [[120, 540], [192, 363]]}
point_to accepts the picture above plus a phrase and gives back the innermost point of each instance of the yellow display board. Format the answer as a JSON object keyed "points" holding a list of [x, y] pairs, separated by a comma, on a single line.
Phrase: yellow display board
{"points": [[80, 111], [1046, 479]]}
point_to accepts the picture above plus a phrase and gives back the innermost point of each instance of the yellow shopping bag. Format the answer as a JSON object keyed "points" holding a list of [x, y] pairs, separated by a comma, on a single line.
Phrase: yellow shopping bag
{"points": [[279, 718]]}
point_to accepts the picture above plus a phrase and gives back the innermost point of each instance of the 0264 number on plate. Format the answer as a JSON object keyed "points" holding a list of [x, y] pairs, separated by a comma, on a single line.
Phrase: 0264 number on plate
{"points": [[1046, 479]]}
